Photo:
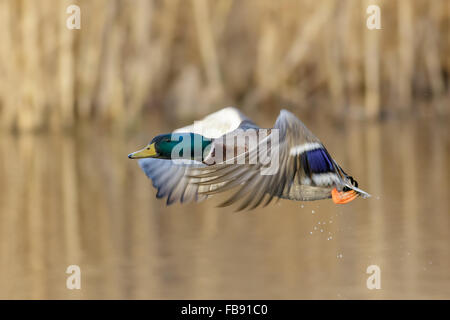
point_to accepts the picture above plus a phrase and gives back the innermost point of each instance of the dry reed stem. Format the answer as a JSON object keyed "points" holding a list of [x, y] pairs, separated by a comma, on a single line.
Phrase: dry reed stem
{"points": [[66, 70], [208, 48], [372, 72], [406, 53]]}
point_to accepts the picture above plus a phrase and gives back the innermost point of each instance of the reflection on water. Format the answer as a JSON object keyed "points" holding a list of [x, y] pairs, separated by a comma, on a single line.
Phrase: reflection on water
{"points": [[77, 199]]}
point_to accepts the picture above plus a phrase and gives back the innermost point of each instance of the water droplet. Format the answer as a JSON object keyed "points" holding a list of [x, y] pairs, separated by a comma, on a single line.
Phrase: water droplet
{"points": [[313, 212]]}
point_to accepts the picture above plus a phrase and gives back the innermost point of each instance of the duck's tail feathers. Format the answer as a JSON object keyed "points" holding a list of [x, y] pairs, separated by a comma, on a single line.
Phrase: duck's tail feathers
{"points": [[359, 191], [350, 183]]}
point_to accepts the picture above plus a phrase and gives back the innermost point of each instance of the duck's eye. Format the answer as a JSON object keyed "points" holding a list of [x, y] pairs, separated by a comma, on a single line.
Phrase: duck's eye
{"points": [[148, 148]]}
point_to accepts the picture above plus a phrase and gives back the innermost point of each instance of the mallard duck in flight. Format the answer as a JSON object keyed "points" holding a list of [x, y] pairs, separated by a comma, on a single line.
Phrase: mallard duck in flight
{"points": [[185, 165]]}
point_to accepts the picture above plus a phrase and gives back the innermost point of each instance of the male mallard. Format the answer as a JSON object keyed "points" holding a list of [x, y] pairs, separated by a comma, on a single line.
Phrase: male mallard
{"points": [[184, 167]]}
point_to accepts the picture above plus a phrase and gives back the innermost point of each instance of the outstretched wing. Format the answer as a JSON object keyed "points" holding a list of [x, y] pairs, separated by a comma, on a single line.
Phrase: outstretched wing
{"points": [[168, 177], [172, 177], [218, 123], [305, 169]]}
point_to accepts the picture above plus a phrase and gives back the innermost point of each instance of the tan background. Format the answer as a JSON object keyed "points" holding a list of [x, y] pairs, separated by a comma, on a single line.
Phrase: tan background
{"points": [[188, 58]]}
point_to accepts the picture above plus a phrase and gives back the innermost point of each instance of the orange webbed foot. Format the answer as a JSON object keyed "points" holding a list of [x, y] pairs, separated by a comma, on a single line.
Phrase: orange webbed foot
{"points": [[343, 197]]}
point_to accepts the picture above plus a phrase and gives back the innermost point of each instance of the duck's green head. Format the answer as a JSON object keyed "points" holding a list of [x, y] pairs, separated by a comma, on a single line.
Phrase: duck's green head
{"points": [[174, 146]]}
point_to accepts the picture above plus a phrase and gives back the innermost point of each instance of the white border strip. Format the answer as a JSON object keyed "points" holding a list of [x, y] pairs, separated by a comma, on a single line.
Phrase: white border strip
{"points": [[304, 147]]}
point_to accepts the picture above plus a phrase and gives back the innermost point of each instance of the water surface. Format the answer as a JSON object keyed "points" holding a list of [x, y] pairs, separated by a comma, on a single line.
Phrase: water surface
{"points": [[77, 199]]}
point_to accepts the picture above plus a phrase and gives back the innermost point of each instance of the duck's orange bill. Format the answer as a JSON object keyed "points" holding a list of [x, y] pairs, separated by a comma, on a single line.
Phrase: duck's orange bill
{"points": [[343, 197]]}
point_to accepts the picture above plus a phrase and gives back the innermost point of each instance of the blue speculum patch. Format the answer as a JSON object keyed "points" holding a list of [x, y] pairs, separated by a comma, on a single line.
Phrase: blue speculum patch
{"points": [[319, 161]]}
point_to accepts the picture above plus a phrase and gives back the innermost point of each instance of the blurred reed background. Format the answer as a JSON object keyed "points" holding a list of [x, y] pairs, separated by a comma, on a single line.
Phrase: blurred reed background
{"points": [[187, 58]]}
